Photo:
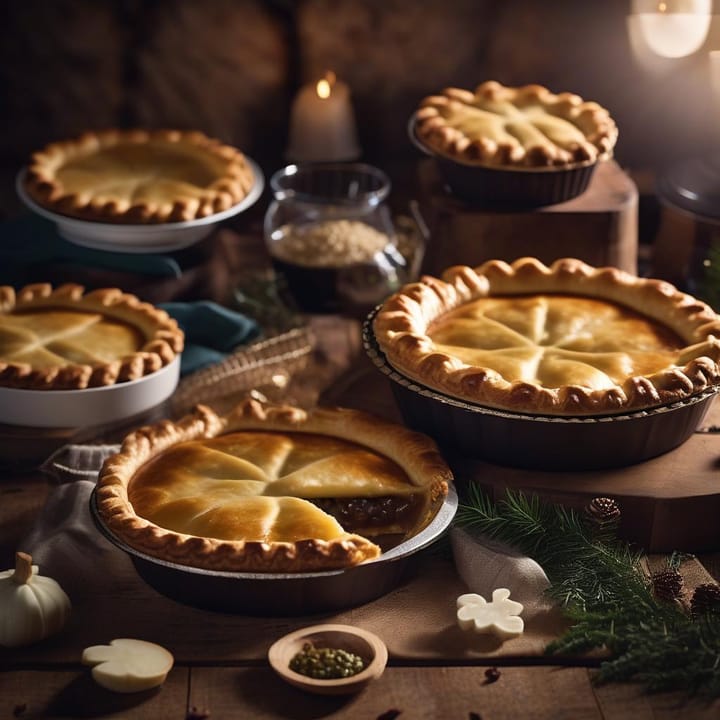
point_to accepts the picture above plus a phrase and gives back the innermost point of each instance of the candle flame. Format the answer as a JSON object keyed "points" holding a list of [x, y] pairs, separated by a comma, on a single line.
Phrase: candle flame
{"points": [[323, 89], [662, 7], [324, 86]]}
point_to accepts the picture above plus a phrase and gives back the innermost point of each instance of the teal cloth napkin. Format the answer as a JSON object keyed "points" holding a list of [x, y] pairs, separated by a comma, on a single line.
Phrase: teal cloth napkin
{"points": [[29, 240], [211, 332]]}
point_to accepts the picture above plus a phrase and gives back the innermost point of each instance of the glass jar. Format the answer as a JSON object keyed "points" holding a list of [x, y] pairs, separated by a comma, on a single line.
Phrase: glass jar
{"points": [[331, 237]]}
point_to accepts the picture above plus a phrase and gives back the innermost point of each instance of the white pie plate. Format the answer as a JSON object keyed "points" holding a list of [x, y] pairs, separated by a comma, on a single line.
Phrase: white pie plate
{"points": [[91, 406], [140, 238], [286, 594]]}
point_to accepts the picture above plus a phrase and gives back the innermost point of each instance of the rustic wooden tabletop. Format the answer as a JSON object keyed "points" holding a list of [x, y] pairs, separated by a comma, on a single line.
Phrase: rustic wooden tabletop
{"points": [[221, 668]]}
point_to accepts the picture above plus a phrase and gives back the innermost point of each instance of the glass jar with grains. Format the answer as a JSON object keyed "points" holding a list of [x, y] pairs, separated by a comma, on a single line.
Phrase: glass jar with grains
{"points": [[331, 237]]}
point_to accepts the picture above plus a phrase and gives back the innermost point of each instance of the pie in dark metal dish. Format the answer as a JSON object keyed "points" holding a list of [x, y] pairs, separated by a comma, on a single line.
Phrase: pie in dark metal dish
{"points": [[524, 146], [566, 367]]}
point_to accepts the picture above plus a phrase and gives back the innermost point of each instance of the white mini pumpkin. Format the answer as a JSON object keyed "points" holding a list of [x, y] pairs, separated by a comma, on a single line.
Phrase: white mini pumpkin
{"points": [[32, 606]]}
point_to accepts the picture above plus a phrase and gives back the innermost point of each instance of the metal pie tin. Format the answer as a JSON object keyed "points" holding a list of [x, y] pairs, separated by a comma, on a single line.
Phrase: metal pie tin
{"points": [[539, 442], [282, 594]]}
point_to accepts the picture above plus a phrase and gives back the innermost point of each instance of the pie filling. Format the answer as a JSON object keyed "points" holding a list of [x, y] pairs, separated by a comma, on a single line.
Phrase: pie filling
{"points": [[263, 486], [52, 338], [556, 340]]}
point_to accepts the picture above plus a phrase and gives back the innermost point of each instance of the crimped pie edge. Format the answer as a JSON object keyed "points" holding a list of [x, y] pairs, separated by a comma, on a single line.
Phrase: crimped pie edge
{"points": [[44, 188], [416, 453], [401, 323], [164, 339], [593, 120]]}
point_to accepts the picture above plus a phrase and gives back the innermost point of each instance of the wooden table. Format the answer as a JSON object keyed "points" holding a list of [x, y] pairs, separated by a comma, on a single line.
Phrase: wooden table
{"points": [[221, 668]]}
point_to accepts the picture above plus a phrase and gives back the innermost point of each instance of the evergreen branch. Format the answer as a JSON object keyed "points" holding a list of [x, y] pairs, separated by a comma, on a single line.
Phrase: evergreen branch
{"points": [[604, 593]]}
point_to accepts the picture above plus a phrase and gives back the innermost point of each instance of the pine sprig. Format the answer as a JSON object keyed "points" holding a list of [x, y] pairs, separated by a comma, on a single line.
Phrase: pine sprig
{"points": [[599, 583]]}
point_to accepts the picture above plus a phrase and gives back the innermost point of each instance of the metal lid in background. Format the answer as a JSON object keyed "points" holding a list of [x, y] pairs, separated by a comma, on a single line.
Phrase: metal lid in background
{"points": [[693, 186]]}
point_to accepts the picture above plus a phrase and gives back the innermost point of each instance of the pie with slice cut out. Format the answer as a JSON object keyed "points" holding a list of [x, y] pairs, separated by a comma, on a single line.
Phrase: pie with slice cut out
{"points": [[568, 339], [270, 488], [138, 176], [66, 339], [515, 127]]}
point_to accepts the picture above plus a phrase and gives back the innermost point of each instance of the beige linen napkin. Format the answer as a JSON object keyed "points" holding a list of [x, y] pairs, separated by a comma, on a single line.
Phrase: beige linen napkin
{"points": [[485, 565], [64, 541]]}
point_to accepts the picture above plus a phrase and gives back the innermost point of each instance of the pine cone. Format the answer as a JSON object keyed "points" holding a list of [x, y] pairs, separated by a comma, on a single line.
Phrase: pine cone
{"points": [[706, 598], [602, 512], [667, 584]]}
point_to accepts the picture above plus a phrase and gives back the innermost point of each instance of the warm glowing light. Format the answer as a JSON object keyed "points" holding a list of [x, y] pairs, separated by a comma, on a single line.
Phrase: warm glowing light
{"points": [[324, 86], [670, 29]]}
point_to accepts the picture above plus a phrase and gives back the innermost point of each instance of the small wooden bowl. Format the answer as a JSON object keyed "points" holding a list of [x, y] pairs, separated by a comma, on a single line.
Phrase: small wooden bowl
{"points": [[345, 637]]}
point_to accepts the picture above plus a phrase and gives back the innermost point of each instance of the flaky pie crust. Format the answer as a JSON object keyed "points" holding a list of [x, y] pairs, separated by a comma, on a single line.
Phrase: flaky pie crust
{"points": [[515, 127], [415, 453], [163, 339], [402, 324], [156, 199]]}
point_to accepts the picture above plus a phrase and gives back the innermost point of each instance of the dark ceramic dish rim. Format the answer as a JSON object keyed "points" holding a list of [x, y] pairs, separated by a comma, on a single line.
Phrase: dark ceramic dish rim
{"points": [[420, 145], [381, 363], [428, 535]]}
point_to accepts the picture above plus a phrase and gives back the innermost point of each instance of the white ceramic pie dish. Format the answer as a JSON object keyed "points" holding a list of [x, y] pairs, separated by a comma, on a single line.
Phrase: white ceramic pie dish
{"points": [[140, 238], [90, 406], [283, 594], [538, 442]]}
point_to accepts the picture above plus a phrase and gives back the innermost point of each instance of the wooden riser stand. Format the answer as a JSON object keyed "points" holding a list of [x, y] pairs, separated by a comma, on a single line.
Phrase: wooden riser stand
{"points": [[600, 226]]}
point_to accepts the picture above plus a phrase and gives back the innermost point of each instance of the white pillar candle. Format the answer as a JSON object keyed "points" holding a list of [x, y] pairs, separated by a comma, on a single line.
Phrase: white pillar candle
{"points": [[322, 125]]}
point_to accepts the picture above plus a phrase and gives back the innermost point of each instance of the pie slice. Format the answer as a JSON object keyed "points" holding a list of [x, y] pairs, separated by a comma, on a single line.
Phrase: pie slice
{"points": [[63, 338], [139, 176], [270, 488], [515, 127], [566, 340]]}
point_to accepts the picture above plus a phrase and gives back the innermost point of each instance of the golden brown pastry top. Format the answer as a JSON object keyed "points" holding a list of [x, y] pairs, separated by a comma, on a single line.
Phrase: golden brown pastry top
{"points": [[139, 176], [249, 491], [64, 338], [567, 340], [515, 127]]}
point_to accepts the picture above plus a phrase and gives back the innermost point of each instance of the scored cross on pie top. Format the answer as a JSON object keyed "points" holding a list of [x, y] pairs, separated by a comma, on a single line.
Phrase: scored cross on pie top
{"points": [[65, 338], [525, 126], [555, 340], [257, 486], [270, 488], [567, 339]]}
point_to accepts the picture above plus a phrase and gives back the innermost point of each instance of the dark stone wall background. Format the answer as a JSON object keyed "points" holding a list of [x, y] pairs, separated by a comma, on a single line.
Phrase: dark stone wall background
{"points": [[231, 68]]}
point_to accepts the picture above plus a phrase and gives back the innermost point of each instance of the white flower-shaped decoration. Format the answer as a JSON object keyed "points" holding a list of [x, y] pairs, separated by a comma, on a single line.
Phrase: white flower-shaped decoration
{"points": [[501, 616]]}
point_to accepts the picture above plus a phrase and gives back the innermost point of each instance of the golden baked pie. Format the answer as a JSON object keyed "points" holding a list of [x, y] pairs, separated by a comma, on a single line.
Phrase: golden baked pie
{"points": [[270, 488], [568, 339], [139, 176], [515, 127], [63, 338]]}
